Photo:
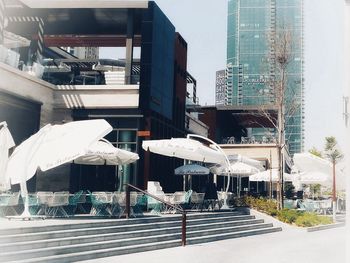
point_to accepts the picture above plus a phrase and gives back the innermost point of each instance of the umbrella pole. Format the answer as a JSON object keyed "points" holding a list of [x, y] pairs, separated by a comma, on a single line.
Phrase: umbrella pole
{"points": [[24, 193], [184, 182]]}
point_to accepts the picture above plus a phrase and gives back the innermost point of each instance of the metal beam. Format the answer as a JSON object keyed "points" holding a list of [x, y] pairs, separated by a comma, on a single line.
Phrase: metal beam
{"points": [[129, 46], [2, 21], [89, 41]]}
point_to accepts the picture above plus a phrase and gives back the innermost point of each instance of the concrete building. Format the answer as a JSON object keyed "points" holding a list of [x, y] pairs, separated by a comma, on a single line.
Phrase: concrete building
{"points": [[220, 87], [251, 53], [142, 98], [227, 126]]}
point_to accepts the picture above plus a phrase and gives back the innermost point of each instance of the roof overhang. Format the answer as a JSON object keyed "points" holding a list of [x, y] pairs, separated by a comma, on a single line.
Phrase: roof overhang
{"points": [[45, 4]]}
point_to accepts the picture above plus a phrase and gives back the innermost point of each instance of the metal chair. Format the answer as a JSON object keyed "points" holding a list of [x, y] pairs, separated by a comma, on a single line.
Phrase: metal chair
{"points": [[43, 198], [8, 202], [101, 203], [57, 203]]}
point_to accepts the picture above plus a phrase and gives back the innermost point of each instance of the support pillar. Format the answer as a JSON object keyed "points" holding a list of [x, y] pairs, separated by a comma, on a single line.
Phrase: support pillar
{"points": [[129, 46], [2, 21]]}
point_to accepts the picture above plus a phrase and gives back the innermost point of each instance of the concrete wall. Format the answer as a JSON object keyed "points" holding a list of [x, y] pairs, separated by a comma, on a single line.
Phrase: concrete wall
{"points": [[25, 86], [196, 126], [96, 96]]}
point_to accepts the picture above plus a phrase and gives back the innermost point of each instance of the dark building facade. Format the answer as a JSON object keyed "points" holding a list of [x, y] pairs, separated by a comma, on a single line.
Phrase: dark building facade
{"points": [[149, 102]]}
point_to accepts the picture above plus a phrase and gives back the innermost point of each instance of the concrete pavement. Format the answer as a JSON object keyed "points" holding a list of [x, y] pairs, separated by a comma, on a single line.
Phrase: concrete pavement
{"points": [[289, 246]]}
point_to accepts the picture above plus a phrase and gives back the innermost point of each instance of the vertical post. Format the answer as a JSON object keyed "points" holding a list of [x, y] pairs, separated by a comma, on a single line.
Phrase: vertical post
{"points": [[40, 50], [183, 240], [2, 21], [270, 192], [334, 194], [129, 46], [127, 201]]}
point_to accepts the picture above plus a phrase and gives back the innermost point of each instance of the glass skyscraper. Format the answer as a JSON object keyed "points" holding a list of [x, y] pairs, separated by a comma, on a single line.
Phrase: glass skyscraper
{"points": [[252, 29]]}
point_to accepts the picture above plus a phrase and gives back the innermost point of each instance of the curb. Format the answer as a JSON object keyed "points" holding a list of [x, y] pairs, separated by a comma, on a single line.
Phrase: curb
{"points": [[324, 227]]}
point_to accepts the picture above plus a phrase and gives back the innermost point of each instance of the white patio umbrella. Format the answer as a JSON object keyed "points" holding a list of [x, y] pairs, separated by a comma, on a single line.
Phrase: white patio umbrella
{"points": [[236, 168], [51, 146], [190, 169], [184, 148], [265, 176], [307, 162], [103, 152], [6, 143]]}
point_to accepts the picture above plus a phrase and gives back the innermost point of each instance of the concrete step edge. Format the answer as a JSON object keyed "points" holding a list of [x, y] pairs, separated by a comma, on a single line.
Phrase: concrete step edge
{"points": [[242, 223]]}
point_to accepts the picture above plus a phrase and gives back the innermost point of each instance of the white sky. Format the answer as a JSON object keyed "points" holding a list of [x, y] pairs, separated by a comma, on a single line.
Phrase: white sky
{"points": [[203, 25]]}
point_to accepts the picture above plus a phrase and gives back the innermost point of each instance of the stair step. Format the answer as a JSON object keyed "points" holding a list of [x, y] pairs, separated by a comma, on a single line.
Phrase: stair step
{"points": [[111, 222], [113, 229], [212, 238], [25, 245], [96, 239], [93, 254]]}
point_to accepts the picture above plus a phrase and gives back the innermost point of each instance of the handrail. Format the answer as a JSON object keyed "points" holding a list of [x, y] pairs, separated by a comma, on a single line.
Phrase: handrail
{"points": [[127, 203]]}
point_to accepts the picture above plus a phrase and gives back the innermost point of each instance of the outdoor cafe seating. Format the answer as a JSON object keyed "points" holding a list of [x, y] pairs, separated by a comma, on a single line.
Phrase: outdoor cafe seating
{"points": [[8, 203]]}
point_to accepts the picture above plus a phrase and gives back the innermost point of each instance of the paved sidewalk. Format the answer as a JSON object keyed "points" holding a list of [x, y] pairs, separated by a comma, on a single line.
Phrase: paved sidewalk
{"points": [[288, 246]]}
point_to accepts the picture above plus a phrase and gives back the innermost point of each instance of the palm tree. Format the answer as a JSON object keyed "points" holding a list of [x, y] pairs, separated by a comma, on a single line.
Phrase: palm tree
{"points": [[334, 155]]}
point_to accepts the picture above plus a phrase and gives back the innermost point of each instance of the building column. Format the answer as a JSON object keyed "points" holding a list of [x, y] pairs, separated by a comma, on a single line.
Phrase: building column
{"points": [[2, 21], [129, 46], [36, 48]]}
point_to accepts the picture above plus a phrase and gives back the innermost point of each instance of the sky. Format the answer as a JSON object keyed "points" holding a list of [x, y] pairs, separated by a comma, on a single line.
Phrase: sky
{"points": [[203, 24]]}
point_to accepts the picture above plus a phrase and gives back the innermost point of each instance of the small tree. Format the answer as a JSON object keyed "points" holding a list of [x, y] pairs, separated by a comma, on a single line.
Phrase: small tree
{"points": [[334, 155], [282, 103], [316, 152]]}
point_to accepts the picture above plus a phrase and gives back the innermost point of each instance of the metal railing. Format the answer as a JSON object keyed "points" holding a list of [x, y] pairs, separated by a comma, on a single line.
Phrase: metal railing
{"points": [[183, 212]]}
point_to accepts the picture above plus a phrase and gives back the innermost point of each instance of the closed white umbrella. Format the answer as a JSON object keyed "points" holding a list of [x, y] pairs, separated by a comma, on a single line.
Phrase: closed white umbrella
{"points": [[104, 153], [51, 146], [184, 148], [6, 143], [267, 175]]}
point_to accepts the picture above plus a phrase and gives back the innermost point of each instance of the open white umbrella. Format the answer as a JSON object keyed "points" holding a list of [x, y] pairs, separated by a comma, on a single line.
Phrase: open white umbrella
{"points": [[236, 168], [307, 162], [191, 169], [104, 153], [184, 148], [51, 146], [265, 176], [6, 143]]}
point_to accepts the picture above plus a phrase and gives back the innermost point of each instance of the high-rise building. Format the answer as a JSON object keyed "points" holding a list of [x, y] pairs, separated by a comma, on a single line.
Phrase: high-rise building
{"points": [[220, 87], [251, 47]]}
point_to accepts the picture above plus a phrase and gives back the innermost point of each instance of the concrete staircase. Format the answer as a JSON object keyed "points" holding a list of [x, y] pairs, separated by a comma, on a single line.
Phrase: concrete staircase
{"points": [[75, 242]]}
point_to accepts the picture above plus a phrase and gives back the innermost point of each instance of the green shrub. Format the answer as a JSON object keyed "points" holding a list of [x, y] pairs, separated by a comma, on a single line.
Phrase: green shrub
{"points": [[311, 219], [288, 215]]}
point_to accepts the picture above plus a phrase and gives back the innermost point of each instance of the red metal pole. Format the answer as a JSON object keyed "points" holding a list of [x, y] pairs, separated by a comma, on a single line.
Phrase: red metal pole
{"points": [[127, 201], [183, 241]]}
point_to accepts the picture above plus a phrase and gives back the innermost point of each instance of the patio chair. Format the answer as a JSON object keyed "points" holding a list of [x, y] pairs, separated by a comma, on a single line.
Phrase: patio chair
{"points": [[33, 202], [43, 199], [101, 203], [290, 204], [76, 201], [156, 206], [141, 202], [326, 206], [197, 200], [57, 203], [8, 202]]}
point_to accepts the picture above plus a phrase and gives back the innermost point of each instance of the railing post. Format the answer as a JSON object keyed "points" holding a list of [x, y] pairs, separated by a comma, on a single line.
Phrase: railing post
{"points": [[127, 201], [183, 241]]}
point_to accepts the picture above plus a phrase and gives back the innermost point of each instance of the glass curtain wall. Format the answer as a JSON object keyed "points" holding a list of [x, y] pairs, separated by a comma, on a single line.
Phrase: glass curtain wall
{"points": [[249, 69]]}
